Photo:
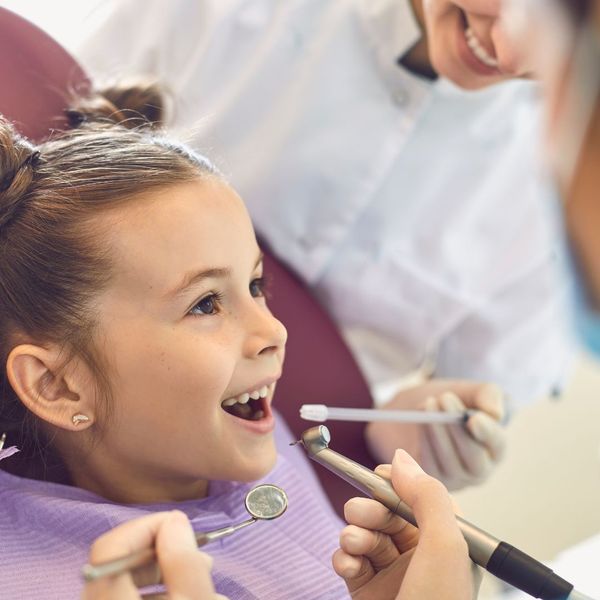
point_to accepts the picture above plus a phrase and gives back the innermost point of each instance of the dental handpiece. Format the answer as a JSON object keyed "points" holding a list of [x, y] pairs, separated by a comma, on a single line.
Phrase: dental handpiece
{"points": [[499, 558]]}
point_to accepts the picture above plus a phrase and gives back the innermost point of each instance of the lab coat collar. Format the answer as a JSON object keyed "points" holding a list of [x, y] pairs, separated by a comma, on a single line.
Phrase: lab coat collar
{"points": [[391, 27]]}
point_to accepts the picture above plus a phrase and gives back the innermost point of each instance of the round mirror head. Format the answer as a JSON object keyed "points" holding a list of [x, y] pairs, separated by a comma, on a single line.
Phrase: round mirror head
{"points": [[266, 501]]}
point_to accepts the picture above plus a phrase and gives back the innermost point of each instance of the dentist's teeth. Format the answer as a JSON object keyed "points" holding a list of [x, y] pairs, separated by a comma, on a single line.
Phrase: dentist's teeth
{"points": [[478, 50], [229, 402], [264, 390], [255, 395], [244, 398]]}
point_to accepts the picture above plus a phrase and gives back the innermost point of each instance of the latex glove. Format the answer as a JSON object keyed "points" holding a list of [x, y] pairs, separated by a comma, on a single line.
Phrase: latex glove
{"points": [[457, 454], [185, 570], [382, 557]]}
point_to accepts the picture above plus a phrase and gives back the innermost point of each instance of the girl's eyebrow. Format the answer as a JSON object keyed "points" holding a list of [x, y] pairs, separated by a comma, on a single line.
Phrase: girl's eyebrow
{"points": [[195, 277]]}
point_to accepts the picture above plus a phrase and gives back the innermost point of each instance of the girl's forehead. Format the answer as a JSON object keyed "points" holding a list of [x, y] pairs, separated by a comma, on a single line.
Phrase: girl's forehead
{"points": [[161, 234]]}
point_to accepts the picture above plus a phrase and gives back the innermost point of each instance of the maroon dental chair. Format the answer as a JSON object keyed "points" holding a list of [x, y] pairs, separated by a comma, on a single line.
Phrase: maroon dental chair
{"points": [[36, 77]]}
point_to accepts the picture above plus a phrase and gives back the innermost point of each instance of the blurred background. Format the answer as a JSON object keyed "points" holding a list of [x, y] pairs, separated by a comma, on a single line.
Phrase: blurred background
{"points": [[545, 496]]}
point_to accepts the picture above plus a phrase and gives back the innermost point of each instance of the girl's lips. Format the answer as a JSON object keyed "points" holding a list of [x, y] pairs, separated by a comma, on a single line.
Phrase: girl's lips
{"points": [[468, 58]]}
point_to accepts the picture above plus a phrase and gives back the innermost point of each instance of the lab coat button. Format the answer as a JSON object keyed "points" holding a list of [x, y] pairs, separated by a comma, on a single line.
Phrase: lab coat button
{"points": [[400, 97]]}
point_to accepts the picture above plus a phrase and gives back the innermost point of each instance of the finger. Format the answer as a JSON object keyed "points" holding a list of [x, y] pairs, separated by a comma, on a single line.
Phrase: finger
{"points": [[384, 471], [377, 547], [490, 433], [147, 575], [117, 587], [370, 514], [127, 538], [355, 570], [442, 546], [442, 447], [186, 571], [473, 455], [490, 8], [427, 458], [489, 398]]}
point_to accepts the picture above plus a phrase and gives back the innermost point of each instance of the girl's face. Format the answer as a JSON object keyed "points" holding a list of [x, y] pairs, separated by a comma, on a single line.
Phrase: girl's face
{"points": [[185, 329], [468, 42]]}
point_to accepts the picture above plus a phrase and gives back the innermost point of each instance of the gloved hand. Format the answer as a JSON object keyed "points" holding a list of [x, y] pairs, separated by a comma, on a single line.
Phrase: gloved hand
{"points": [[459, 455], [382, 556]]}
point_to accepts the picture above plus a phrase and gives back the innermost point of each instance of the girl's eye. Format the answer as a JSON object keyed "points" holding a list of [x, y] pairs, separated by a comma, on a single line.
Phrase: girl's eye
{"points": [[209, 305], [257, 287]]}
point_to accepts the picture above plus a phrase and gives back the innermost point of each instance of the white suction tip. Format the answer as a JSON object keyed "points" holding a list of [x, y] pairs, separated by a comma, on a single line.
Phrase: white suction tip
{"points": [[313, 412]]}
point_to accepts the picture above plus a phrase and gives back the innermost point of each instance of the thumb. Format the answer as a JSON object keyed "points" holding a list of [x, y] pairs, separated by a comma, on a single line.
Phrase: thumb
{"points": [[186, 570], [440, 562], [428, 498]]}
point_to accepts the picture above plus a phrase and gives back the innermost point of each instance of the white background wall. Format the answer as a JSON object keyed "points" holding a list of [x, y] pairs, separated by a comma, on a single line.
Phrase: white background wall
{"points": [[545, 496], [67, 21]]}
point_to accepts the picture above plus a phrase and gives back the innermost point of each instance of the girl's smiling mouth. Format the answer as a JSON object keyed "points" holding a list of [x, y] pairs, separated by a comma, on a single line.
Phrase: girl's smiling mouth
{"points": [[253, 405]]}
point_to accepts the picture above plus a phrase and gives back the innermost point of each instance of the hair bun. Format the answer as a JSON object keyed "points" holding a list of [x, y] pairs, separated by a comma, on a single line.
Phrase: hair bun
{"points": [[18, 157], [130, 104]]}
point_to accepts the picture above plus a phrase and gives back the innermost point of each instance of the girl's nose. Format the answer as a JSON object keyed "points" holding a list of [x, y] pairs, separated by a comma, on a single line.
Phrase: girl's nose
{"points": [[265, 333]]}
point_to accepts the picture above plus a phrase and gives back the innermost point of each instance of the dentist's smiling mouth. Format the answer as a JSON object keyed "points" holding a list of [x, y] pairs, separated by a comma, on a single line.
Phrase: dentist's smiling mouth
{"points": [[251, 405], [478, 50], [472, 51]]}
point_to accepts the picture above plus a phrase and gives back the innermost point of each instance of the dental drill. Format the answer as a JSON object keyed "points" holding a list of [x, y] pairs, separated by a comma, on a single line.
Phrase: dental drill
{"points": [[499, 558]]}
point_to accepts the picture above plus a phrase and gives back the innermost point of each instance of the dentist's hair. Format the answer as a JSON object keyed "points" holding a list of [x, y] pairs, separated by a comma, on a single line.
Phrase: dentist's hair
{"points": [[53, 261]]}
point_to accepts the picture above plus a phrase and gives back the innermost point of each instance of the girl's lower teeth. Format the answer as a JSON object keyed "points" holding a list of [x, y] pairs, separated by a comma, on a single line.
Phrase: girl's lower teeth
{"points": [[245, 411]]}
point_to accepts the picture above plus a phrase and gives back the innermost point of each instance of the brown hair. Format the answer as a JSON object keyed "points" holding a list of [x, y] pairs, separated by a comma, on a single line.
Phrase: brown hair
{"points": [[51, 261]]}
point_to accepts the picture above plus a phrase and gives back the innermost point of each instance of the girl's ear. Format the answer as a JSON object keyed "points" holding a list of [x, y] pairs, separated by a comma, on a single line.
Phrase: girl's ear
{"points": [[62, 397]]}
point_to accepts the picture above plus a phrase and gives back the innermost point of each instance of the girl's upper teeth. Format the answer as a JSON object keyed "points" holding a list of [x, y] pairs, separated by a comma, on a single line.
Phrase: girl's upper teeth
{"points": [[478, 50], [246, 396]]}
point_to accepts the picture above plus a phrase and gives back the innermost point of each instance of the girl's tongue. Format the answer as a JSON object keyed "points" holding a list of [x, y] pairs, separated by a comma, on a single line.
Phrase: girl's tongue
{"points": [[253, 410]]}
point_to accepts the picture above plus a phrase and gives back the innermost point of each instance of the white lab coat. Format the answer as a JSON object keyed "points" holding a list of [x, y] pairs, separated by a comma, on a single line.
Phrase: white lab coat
{"points": [[411, 208]]}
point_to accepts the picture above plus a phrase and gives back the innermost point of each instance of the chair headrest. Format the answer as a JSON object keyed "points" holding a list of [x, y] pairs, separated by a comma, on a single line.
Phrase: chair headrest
{"points": [[37, 76]]}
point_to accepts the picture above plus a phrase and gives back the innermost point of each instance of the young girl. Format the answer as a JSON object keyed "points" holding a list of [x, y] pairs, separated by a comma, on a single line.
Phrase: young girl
{"points": [[140, 364]]}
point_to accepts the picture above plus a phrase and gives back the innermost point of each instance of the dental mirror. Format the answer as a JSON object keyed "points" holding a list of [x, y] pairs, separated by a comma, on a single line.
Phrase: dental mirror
{"points": [[264, 503]]}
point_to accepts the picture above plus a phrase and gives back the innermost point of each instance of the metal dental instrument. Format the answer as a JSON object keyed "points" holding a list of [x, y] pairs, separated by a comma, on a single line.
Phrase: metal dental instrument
{"points": [[264, 502], [321, 412], [499, 558]]}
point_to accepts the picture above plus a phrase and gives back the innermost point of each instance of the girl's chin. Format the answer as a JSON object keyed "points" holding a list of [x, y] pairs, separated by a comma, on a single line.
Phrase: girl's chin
{"points": [[251, 470]]}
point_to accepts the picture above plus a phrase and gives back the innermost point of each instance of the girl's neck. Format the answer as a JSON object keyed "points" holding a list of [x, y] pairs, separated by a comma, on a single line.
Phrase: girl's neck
{"points": [[128, 484], [128, 490]]}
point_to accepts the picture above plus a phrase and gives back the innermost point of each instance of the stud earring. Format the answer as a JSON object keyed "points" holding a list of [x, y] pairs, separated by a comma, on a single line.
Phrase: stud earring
{"points": [[79, 418]]}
